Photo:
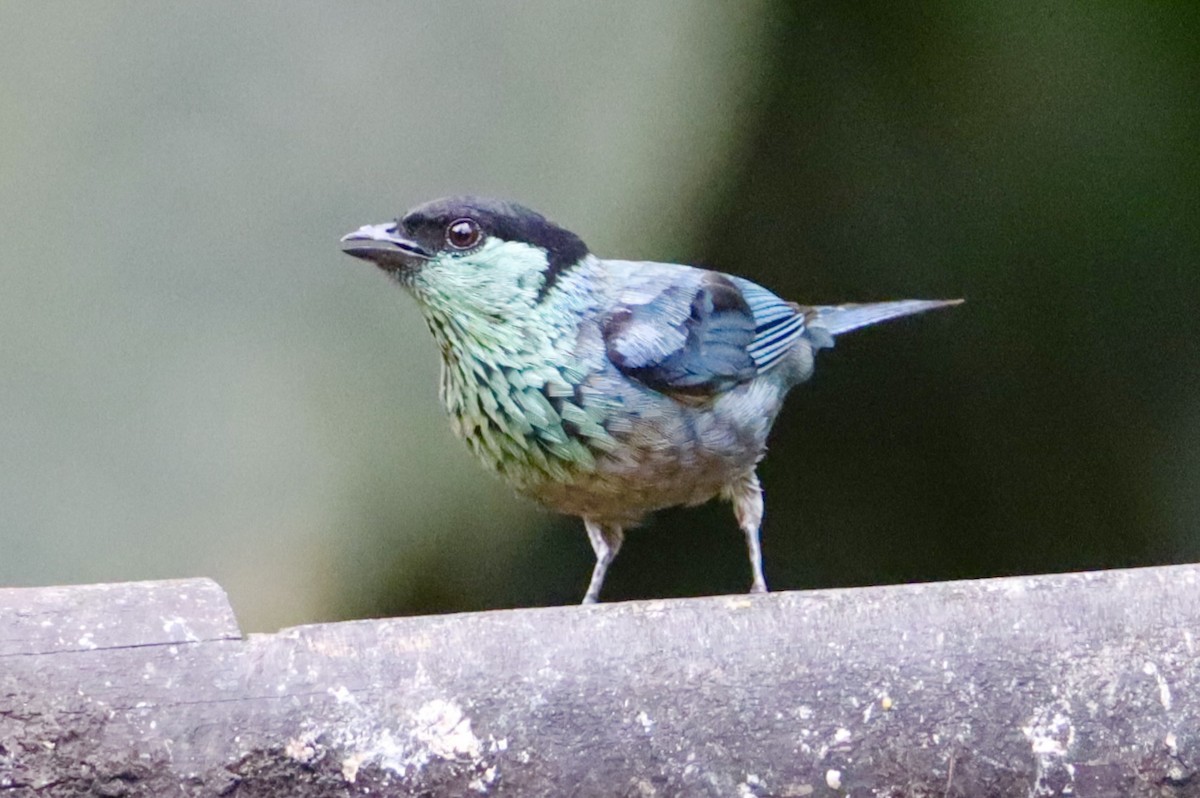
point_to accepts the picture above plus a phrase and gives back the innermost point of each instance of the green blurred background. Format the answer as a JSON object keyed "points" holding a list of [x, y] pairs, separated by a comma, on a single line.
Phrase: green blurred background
{"points": [[194, 381]]}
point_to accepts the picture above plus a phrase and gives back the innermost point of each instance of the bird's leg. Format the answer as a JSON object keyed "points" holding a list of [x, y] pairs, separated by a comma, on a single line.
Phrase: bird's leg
{"points": [[746, 495], [606, 542]]}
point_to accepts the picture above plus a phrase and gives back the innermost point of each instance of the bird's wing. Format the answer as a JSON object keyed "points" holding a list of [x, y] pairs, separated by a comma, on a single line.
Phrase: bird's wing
{"points": [[778, 324], [701, 335]]}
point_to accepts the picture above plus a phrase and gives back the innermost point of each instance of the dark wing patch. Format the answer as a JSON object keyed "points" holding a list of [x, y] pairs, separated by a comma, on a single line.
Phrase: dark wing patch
{"points": [[691, 341]]}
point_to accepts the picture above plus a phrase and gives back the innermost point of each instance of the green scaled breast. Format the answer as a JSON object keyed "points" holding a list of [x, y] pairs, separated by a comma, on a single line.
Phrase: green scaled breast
{"points": [[523, 412]]}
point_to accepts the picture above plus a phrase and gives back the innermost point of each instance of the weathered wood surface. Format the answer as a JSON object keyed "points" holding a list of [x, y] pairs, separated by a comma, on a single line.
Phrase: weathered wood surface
{"points": [[87, 617], [1076, 684]]}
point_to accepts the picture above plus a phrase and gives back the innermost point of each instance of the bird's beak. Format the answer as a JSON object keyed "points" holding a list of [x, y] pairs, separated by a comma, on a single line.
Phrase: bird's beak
{"points": [[383, 245]]}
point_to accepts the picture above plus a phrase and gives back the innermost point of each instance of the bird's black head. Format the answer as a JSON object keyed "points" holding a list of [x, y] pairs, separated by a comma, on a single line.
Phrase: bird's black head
{"points": [[431, 226], [457, 226]]}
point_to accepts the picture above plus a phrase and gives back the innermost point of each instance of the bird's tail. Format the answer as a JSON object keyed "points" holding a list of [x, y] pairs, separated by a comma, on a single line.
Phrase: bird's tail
{"points": [[838, 319]]}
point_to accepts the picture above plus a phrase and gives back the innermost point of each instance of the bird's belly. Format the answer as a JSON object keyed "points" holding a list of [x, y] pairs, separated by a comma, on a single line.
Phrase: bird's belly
{"points": [[626, 494], [670, 454]]}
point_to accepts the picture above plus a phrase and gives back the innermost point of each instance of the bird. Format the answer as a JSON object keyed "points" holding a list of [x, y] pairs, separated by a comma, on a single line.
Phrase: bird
{"points": [[605, 389]]}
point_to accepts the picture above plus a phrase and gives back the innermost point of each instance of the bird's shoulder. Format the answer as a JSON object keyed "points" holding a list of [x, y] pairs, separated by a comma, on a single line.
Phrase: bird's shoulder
{"points": [[687, 330]]}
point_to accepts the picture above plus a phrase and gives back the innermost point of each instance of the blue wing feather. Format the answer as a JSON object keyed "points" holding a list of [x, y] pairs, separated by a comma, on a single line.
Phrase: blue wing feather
{"points": [[778, 324], [702, 338], [705, 332]]}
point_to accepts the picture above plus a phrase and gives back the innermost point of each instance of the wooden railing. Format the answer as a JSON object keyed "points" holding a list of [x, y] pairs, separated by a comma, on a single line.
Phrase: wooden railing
{"points": [[1075, 684]]}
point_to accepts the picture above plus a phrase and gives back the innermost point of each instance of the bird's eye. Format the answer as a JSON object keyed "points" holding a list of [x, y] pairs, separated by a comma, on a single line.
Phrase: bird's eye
{"points": [[463, 233]]}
